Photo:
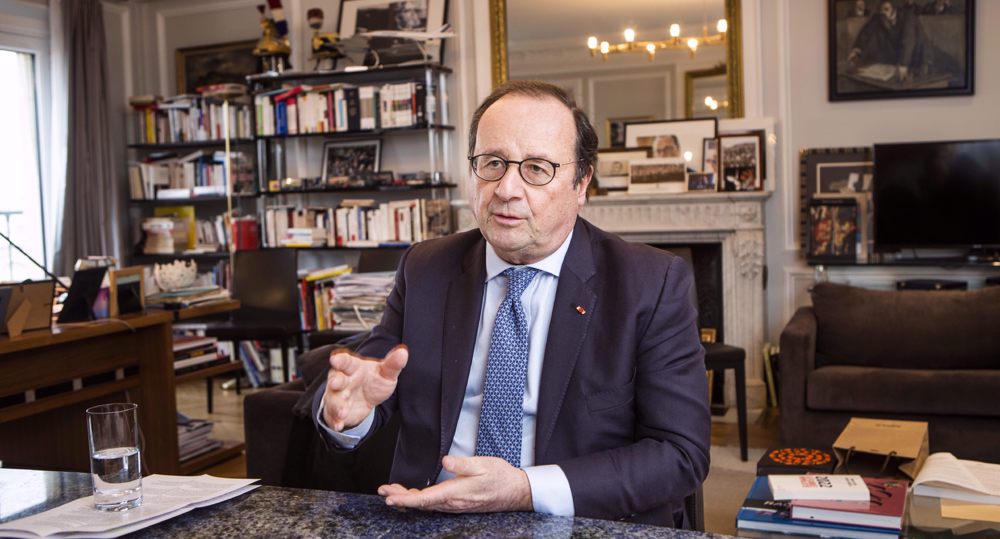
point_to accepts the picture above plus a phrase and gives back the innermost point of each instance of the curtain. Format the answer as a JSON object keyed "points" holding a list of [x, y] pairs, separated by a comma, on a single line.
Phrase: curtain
{"points": [[90, 208], [54, 152]]}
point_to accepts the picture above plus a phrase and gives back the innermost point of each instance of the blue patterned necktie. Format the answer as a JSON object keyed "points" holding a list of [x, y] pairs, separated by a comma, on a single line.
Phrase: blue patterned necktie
{"points": [[506, 374]]}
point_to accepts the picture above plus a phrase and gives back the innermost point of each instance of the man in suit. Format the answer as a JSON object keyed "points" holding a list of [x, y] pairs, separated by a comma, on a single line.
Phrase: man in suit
{"points": [[580, 393]]}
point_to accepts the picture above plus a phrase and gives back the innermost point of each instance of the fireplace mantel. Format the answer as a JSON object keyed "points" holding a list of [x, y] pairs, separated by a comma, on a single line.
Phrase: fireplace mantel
{"points": [[733, 219]]}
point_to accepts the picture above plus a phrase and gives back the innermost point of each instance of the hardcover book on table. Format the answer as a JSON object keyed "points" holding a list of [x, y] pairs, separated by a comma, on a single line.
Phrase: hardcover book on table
{"points": [[884, 510], [781, 522], [818, 487]]}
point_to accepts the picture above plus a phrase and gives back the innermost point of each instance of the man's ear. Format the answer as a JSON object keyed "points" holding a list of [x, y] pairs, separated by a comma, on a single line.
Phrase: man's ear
{"points": [[581, 193]]}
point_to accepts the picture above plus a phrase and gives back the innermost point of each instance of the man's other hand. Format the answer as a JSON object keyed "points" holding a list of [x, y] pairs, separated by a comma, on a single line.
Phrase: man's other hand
{"points": [[480, 485], [355, 385]]}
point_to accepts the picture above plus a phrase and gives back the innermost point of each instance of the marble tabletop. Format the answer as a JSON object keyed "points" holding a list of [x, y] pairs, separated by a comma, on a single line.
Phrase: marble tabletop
{"points": [[285, 512]]}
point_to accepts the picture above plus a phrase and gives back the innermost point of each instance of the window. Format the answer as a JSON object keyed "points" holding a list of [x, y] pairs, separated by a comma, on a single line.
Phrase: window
{"points": [[21, 216]]}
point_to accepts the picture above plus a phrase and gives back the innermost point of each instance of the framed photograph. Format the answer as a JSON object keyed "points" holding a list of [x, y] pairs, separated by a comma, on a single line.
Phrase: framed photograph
{"points": [[614, 129], [832, 170], [127, 291], [710, 155], [346, 161], [673, 138], [613, 166], [740, 163], [881, 50], [213, 64], [657, 175], [358, 16], [833, 230], [702, 181]]}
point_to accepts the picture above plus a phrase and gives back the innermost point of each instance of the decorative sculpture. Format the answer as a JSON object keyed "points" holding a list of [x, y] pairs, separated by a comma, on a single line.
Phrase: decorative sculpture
{"points": [[273, 48], [325, 46]]}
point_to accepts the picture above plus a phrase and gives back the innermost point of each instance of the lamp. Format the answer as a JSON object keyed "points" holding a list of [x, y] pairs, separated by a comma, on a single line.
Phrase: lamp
{"points": [[675, 41]]}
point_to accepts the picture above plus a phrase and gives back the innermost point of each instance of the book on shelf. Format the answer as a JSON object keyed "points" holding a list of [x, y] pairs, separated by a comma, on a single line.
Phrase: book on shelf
{"points": [[945, 476], [759, 498], [818, 487], [885, 509], [188, 342], [188, 118]]}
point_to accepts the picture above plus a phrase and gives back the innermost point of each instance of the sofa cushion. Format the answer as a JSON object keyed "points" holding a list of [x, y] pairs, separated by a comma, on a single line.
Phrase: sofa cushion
{"points": [[911, 329], [904, 391]]}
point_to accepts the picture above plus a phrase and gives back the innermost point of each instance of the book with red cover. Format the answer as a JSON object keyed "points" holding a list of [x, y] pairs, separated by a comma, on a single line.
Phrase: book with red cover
{"points": [[884, 509]]}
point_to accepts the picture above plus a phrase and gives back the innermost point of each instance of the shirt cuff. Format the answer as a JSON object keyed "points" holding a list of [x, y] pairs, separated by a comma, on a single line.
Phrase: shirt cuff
{"points": [[350, 438], [550, 492]]}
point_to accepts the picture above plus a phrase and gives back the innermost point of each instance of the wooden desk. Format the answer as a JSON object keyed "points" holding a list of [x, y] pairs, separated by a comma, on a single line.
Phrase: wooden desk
{"points": [[48, 379], [73, 367]]}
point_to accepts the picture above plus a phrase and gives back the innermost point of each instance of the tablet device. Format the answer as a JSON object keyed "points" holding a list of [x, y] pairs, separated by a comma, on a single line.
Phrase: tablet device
{"points": [[40, 294], [79, 304]]}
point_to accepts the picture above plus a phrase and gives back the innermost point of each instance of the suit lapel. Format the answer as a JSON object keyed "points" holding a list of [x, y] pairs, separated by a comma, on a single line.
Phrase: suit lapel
{"points": [[572, 311], [461, 321]]}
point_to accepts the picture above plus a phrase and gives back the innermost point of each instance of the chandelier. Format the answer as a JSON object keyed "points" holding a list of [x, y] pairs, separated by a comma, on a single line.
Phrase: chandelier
{"points": [[676, 41]]}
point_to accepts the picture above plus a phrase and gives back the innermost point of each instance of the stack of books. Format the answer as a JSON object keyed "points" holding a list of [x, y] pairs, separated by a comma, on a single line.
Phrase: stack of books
{"points": [[824, 505], [192, 437], [193, 352], [359, 299]]}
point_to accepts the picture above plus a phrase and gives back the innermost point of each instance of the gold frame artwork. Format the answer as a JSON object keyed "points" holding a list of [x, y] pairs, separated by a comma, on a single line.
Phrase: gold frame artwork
{"points": [[734, 51]]}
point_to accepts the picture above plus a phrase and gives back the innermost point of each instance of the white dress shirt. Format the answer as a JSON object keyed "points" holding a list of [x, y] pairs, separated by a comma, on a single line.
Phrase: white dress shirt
{"points": [[550, 491]]}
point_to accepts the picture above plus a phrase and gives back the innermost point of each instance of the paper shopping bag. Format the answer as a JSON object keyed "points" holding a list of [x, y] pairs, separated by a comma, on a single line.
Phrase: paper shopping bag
{"points": [[881, 447]]}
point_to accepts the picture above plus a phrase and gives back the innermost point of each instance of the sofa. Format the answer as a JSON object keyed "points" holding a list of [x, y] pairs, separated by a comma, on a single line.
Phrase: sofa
{"points": [[920, 355]]}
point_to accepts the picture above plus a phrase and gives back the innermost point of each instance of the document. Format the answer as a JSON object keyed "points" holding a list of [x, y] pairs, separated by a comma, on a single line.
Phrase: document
{"points": [[163, 497], [945, 476]]}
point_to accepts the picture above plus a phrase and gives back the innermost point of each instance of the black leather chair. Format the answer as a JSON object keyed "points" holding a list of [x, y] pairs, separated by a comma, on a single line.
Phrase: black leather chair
{"points": [[266, 283]]}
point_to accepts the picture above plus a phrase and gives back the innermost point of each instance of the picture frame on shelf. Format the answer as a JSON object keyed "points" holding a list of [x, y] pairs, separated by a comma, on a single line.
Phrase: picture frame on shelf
{"points": [[350, 160], [614, 129], [657, 175], [673, 138], [865, 59], [702, 181], [214, 64], [831, 170], [127, 291], [411, 16], [833, 230], [740, 163], [613, 166], [710, 155]]}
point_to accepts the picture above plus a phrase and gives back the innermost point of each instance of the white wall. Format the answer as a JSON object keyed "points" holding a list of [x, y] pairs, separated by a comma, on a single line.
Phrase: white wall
{"points": [[794, 49]]}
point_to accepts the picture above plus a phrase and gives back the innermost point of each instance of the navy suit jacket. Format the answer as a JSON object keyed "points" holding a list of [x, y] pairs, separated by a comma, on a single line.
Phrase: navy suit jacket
{"points": [[623, 406]]}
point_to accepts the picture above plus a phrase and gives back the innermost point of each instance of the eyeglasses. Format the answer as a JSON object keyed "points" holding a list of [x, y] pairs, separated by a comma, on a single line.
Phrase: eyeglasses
{"points": [[534, 171]]}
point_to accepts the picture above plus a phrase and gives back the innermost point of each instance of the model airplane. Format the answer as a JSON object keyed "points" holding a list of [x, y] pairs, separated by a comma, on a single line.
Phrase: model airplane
{"points": [[415, 35]]}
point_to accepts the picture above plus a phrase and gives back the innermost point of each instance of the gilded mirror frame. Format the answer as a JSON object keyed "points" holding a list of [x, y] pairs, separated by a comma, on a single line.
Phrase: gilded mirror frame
{"points": [[734, 51]]}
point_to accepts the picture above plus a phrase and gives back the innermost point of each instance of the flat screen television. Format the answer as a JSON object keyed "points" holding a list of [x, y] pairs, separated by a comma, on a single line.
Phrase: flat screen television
{"points": [[937, 195]]}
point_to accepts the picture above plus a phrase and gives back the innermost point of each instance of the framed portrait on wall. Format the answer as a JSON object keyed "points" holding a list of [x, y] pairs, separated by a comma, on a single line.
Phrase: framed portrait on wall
{"points": [[214, 64], [882, 50], [407, 16], [673, 138]]}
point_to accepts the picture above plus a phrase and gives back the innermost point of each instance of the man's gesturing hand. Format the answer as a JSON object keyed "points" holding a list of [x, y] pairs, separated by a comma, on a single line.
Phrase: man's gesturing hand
{"points": [[355, 385], [480, 485]]}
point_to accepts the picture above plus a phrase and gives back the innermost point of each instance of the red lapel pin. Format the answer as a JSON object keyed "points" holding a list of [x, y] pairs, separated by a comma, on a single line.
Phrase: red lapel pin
{"points": [[580, 309]]}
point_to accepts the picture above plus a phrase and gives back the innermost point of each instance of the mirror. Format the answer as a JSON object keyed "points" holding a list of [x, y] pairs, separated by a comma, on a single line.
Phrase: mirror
{"points": [[548, 41]]}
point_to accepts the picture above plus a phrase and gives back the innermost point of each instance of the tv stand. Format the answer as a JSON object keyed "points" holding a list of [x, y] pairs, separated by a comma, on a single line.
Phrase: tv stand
{"points": [[984, 255]]}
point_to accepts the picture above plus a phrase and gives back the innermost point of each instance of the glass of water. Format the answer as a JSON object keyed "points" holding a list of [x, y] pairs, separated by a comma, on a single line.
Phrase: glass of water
{"points": [[113, 433]]}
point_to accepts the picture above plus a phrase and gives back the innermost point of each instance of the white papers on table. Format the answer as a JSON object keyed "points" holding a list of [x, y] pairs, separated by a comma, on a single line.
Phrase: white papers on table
{"points": [[945, 476], [163, 497]]}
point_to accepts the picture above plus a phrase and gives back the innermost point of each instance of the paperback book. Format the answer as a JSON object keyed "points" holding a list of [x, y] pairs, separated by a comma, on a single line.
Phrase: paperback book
{"points": [[818, 487], [884, 510]]}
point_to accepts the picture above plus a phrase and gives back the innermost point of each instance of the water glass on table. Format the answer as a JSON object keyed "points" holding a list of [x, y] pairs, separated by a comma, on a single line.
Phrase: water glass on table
{"points": [[113, 434]]}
